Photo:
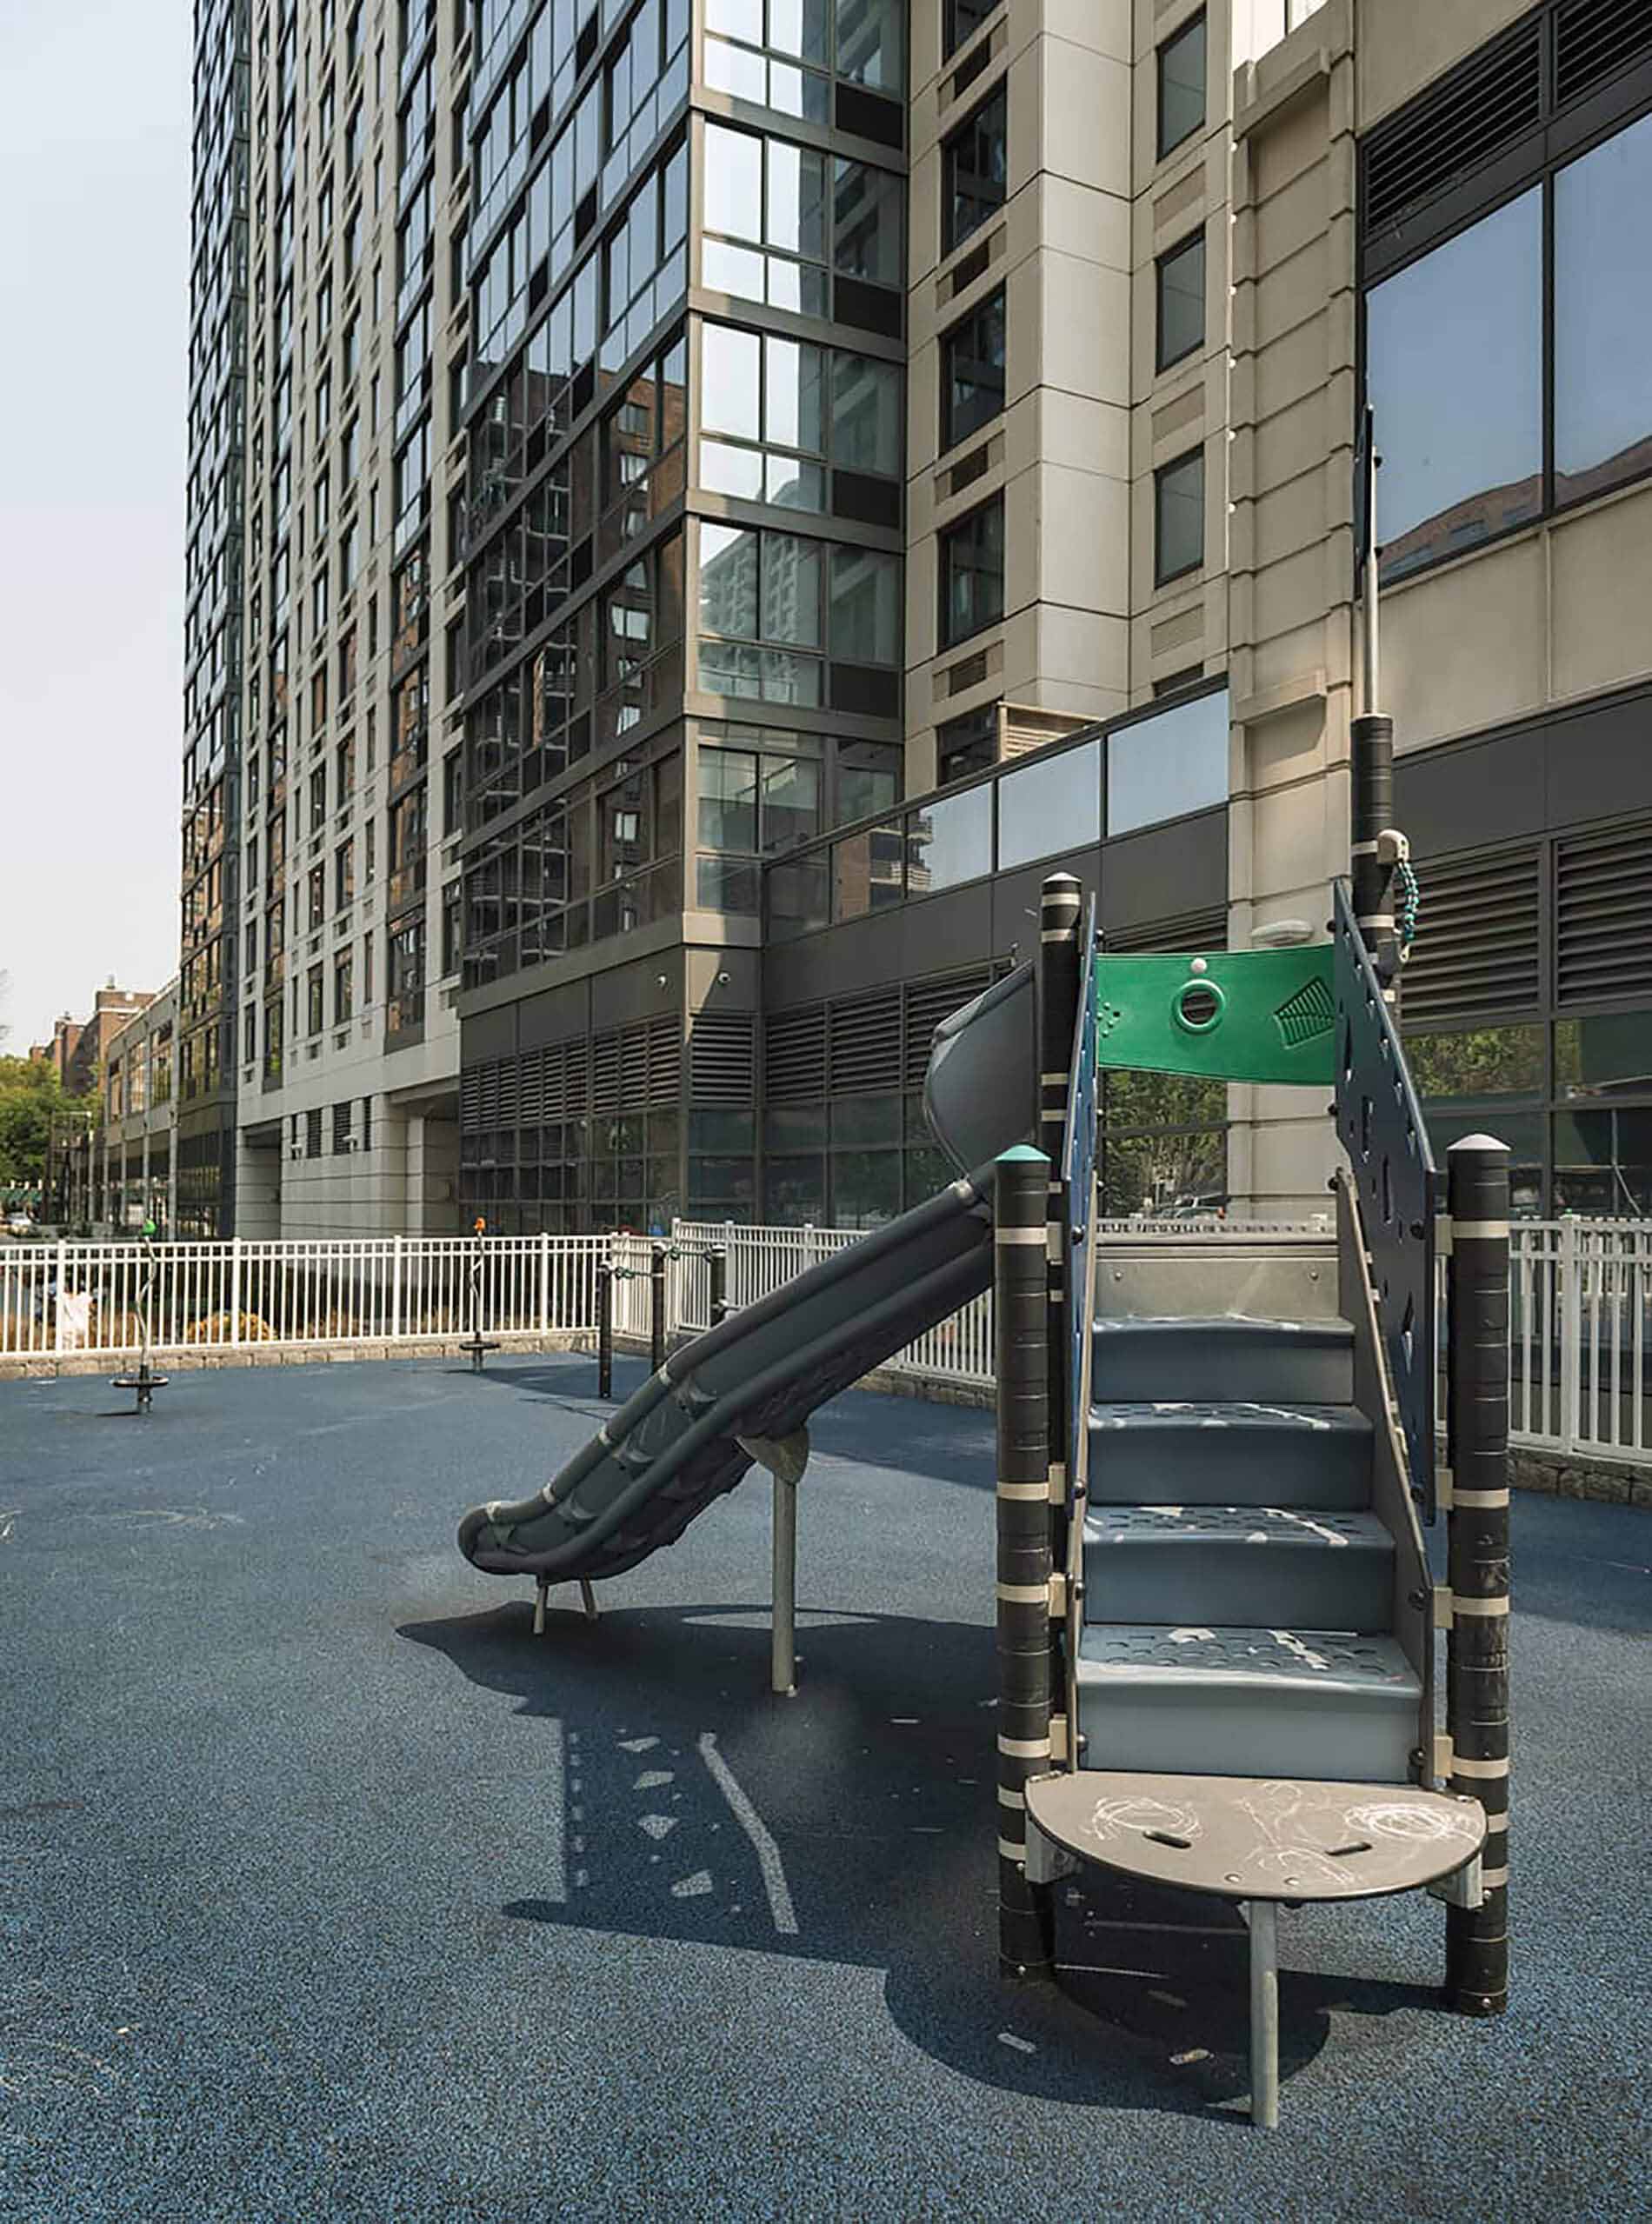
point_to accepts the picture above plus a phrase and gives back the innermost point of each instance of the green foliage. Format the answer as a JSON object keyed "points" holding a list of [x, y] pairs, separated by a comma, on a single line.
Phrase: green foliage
{"points": [[31, 1096], [1479, 1062]]}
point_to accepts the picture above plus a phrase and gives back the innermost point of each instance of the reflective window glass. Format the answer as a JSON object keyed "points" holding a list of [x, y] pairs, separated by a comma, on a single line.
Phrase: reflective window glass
{"points": [[1604, 1161], [733, 182], [867, 401], [1479, 1062], [974, 170], [1174, 762], [865, 607], [972, 572], [1181, 303], [731, 381], [949, 841], [1607, 1053], [972, 370], [1178, 517], [1181, 85], [1604, 316], [1455, 374], [1050, 806]]}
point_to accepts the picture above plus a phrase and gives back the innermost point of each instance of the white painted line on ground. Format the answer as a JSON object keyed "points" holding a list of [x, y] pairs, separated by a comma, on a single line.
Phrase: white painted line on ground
{"points": [[774, 1876]]}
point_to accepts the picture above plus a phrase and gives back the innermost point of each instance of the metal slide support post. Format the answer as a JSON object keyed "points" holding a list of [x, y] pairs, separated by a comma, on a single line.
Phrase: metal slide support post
{"points": [[718, 1264], [1477, 1554], [1026, 1911], [782, 1661], [1262, 1916], [656, 1307], [1060, 915], [605, 1328]]}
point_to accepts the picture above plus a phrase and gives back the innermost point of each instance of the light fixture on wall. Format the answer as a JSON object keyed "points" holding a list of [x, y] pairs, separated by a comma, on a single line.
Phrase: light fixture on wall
{"points": [[1282, 934]]}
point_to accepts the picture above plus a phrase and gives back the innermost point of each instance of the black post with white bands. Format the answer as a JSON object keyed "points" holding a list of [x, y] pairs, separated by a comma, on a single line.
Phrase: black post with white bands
{"points": [[1371, 772], [1477, 1554], [1060, 929], [717, 1260], [656, 1307], [604, 1329], [1026, 1912]]}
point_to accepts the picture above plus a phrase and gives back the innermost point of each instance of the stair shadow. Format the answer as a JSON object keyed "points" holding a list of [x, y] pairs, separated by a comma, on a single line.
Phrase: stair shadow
{"points": [[881, 1813]]}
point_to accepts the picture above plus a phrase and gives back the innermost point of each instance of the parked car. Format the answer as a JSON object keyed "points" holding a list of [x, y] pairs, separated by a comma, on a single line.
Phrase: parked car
{"points": [[20, 1224]]}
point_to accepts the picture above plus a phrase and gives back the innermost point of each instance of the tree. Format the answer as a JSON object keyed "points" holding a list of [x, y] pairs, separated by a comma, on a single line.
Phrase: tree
{"points": [[31, 1097]]}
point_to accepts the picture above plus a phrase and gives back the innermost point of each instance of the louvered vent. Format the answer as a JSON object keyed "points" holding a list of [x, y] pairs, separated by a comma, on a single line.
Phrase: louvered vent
{"points": [[490, 1085], [1603, 914], [664, 1062], [471, 1101], [1191, 931], [1478, 946], [634, 1067], [507, 1077], [794, 1066], [605, 1075], [553, 1096], [928, 1002], [1593, 38], [531, 1086], [1474, 115], [576, 1078], [720, 1058], [866, 1044]]}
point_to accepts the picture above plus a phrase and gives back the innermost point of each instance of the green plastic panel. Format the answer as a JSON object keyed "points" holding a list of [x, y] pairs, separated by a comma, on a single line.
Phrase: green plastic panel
{"points": [[1257, 1015]]}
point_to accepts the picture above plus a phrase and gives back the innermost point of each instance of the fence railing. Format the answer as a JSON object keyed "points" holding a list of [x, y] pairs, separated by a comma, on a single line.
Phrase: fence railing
{"points": [[1580, 1303]]}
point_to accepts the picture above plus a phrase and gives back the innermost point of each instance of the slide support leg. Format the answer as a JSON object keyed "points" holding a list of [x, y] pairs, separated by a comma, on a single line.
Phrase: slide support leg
{"points": [[783, 1674], [1262, 1915], [587, 1598], [541, 1584]]}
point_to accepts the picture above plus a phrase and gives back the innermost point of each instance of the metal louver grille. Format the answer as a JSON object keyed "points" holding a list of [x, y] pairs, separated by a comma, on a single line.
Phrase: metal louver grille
{"points": [[1603, 914], [664, 1062], [555, 1098], [507, 1077], [720, 1058], [605, 1075], [1471, 116], [1594, 38], [471, 1101], [1478, 947], [1192, 930], [928, 1002], [634, 1068], [531, 1097], [489, 1080], [866, 1044], [794, 1056], [576, 1078]]}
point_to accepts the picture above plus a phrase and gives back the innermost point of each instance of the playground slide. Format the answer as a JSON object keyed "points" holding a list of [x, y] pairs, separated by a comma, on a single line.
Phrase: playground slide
{"points": [[686, 1436]]}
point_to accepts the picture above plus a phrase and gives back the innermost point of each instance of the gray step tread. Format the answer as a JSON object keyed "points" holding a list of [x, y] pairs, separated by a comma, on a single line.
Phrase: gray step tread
{"points": [[1285, 1415], [1309, 1528], [1329, 1661], [1330, 1328]]}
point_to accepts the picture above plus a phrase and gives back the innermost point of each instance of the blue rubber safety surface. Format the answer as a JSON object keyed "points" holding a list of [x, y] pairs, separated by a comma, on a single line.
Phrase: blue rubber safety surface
{"points": [[327, 1891]]}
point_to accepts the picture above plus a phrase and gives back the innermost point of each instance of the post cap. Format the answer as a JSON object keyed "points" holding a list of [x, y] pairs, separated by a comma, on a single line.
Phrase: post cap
{"points": [[1019, 1153], [1477, 1142]]}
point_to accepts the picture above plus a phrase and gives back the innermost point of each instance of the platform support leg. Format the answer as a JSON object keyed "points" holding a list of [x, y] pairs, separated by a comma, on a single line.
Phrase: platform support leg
{"points": [[587, 1598], [1262, 1915], [541, 1584], [782, 1667]]}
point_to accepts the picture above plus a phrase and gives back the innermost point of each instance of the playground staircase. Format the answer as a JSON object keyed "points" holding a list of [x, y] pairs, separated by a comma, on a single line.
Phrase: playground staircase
{"points": [[1248, 1589]]}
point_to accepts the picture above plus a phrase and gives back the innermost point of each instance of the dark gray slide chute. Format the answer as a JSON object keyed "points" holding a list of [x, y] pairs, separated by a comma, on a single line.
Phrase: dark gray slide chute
{"points": [[682, 1440]]}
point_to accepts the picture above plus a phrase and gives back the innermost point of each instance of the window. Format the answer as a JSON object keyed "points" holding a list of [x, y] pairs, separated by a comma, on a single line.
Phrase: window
{"points": [[317, 897], [966, 745], [972, 370], [973, 168], [342, 1126], [1604, 316], [1050, 806], [1454, 371], [961, 20], [344, 874], [760, 588], [972, 573], [1181, 302], [1178, 517], [949, 841], [1172, 762], [343, 976], [313, 1015], [813, 212], [1181, 85]]}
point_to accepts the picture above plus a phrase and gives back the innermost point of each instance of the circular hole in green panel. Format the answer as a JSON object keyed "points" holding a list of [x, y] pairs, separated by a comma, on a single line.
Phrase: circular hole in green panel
{"points": [[1198, 1005]]}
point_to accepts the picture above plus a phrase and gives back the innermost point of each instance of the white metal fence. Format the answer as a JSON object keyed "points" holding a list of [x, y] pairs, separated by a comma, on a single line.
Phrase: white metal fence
{"points": [[1580, 1304]]}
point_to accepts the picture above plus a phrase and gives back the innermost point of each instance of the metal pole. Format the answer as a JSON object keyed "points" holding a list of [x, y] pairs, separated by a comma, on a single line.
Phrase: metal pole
{"points": [[1057, 972], [1371, 806], [1263, 1918], [1477, 1554], [783, 1659], [1026, 1911], [656, 1307], [604, 1329], [719, 1261]]}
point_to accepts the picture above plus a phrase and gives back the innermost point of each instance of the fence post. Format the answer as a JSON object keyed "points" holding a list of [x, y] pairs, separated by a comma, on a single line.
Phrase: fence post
{"points": [[57, 1307], [605, 1326], [656, 1307], [1026, 1911], [235, 1289], [717, 1266], [1477, 1554], [1569, 1313], [396, 1289], [544, 1282]]}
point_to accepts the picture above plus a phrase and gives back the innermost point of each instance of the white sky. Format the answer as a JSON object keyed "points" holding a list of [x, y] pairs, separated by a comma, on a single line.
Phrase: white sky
{"points": [[94, 305]]}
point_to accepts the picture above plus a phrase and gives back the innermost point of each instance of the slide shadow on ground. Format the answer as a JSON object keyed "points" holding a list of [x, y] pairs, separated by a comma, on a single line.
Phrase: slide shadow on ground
{"points": [[876, 1783]]}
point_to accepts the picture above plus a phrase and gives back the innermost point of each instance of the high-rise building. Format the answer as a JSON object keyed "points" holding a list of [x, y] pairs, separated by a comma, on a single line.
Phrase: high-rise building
{"points": [[208, 971], [346, 1043], [910, 450]]}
